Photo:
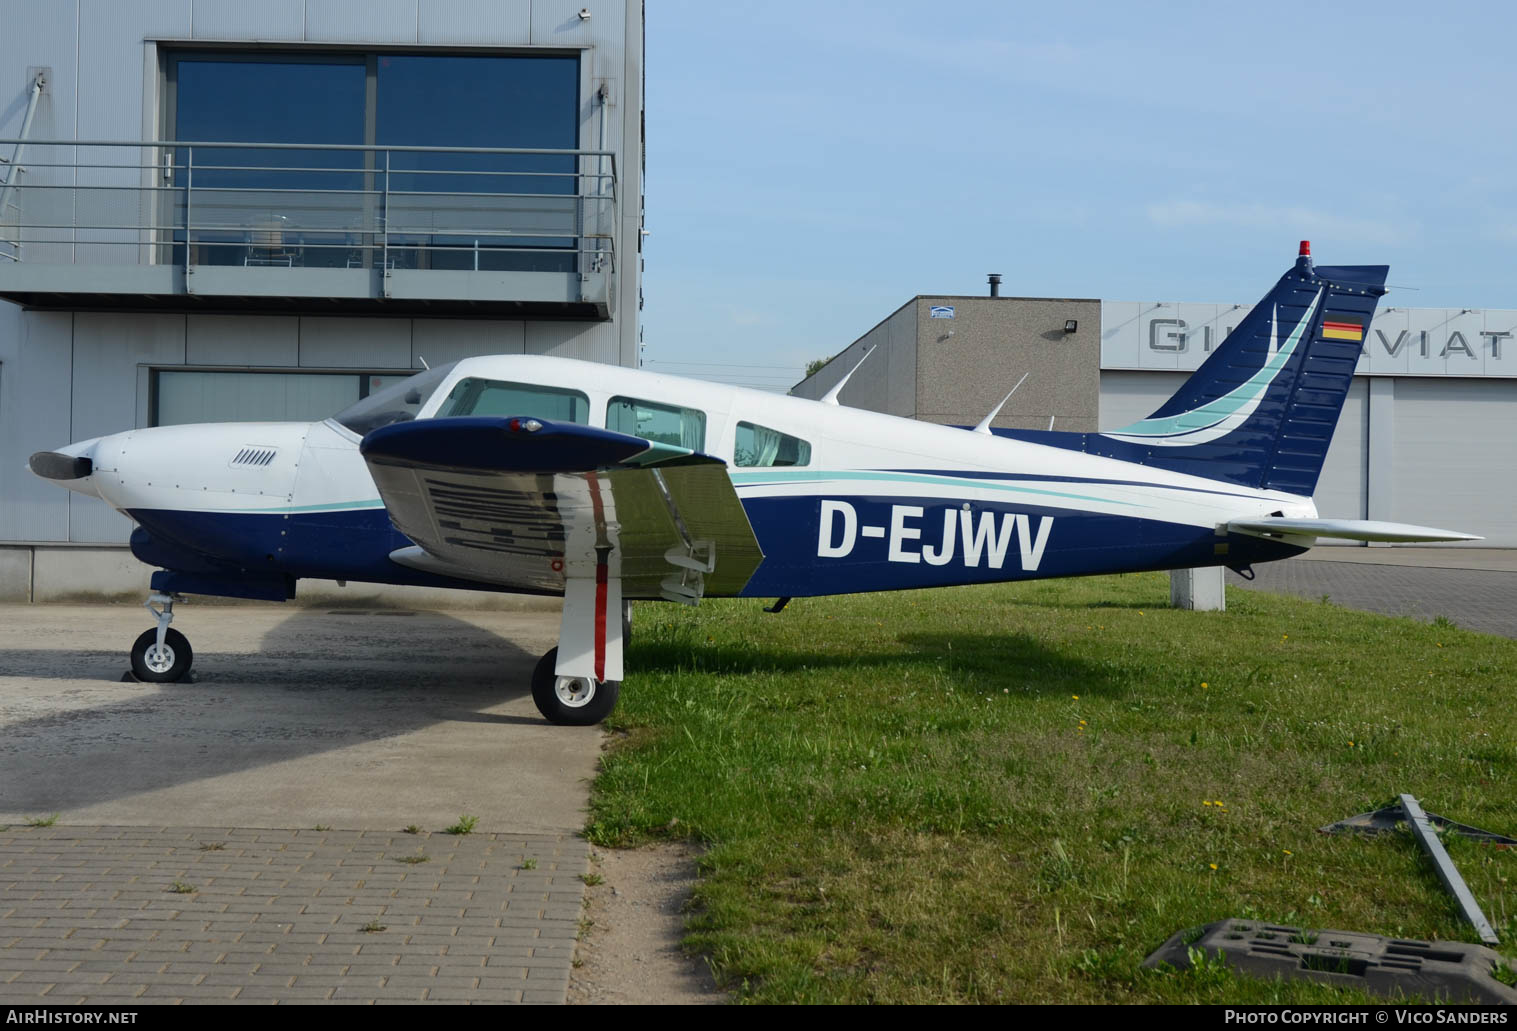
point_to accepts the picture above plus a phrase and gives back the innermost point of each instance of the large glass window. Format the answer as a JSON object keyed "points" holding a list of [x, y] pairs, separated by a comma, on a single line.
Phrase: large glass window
{"points": [[759, 446], [183, 397], [455, 101], [666, 424], [474, 396], [268, 207], [445, 210]]}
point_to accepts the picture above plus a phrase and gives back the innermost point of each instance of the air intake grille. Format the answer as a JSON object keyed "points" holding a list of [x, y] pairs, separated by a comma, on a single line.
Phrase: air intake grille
{"points": [[258, 456]]}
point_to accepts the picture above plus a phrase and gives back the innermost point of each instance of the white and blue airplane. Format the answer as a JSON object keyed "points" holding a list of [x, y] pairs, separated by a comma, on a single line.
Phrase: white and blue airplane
{"points": [[603, 484]]}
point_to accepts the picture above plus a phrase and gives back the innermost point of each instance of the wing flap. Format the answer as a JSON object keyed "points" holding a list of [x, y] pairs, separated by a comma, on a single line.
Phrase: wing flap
{"points": [[1348, 529], [499, 501]]}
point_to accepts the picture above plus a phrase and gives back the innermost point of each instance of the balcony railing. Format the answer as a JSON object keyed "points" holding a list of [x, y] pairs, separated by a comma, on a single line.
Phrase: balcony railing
{"points": [[514, 229]]}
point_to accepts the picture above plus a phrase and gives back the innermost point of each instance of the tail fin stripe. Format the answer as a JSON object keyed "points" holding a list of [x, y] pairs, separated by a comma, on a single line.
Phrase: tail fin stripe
{"points": [[1221, 416]]}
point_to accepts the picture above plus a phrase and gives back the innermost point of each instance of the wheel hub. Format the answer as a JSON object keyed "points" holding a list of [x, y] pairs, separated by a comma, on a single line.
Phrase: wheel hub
{"points": [[159, 658], [574, 692]]}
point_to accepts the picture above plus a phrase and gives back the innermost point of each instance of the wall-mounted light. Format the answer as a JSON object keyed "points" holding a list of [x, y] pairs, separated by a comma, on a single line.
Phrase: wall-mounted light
{"points": [[1070, 325], [584, 14]]}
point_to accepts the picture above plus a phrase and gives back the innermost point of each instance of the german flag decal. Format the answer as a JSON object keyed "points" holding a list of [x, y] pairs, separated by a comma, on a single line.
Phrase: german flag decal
{"points": [[1343, 327]]}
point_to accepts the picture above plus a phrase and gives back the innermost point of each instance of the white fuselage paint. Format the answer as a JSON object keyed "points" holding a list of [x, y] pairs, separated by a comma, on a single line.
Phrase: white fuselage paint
{"points": [[854, 453]]}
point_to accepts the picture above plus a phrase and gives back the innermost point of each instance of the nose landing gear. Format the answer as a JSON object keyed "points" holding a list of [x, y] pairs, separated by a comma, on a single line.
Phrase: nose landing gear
{"points": [[161, 655]]}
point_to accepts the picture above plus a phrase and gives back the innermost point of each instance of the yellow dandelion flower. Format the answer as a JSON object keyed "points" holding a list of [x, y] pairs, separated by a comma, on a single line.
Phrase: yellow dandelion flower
{"points": [[1351, 744], [1212, 865], [1204, 685], [1287, 851], [1075, 697], [1206, 803]]}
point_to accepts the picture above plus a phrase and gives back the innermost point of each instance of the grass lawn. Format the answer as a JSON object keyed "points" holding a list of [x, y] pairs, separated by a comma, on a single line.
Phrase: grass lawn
{"points": [[1015, 793]]}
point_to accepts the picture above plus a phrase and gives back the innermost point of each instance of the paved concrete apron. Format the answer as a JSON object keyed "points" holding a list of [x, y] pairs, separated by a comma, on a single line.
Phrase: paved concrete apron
{"points": [[364, 721], [1475, 599]]}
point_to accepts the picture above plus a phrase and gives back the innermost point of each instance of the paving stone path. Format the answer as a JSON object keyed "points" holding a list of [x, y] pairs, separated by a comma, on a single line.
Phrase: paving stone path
{"points": [[1475, 599], [117, 915]]}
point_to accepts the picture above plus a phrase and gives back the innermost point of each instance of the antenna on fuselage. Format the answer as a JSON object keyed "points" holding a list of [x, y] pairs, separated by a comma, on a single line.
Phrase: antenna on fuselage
{"points": [[984, 426], [424, 364], [831, 397]]}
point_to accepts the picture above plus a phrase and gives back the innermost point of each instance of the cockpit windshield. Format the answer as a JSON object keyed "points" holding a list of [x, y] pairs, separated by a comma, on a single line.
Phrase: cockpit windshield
{"points": [[396, 403]]}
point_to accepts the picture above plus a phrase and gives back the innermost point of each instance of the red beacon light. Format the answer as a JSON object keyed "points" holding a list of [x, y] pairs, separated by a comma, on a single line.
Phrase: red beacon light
{"points": [[529, 425], [1306, 249]]}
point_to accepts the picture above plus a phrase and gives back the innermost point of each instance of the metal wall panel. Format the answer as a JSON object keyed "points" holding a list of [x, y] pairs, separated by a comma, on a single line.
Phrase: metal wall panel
{"points": [[42, 35], [35, 366], [1400, 341], [1127, 397], [1452, 459], [112, 36], [256, 340], [556, 23], [111, 352], [440, 341], [355, 343], [592, 342], [361, 21], [241, 20], [1344, 481], [476, 22]]}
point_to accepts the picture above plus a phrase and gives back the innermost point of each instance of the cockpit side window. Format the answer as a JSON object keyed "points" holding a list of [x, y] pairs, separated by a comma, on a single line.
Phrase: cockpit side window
{"points": [[398, 402], [664, 424], [760, 447], [474, 396]]}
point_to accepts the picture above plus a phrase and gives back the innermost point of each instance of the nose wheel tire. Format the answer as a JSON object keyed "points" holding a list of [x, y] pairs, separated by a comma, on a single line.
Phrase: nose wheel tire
{"points": [[571, 701], [161, 665]]}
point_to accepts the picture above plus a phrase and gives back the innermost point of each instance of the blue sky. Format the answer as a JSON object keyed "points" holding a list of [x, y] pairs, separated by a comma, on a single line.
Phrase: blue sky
{"points": [[812, 166]]}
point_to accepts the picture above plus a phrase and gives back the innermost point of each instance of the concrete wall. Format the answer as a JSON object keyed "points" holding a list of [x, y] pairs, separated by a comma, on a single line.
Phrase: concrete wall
{"points": [[887, 382], [965, 365], [956, 370]]}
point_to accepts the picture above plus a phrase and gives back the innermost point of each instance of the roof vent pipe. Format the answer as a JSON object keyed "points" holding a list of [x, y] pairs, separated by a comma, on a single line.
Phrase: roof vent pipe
{"points": [[995, 284]]}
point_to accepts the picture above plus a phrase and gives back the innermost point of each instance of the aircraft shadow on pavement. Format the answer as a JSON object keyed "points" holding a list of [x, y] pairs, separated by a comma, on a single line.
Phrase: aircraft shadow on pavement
{"points": [[318, 682]]}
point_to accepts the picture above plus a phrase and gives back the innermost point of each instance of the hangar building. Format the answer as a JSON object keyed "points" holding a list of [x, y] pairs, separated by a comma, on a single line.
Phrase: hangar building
{"points": [[222, 210], [1425, 436]]}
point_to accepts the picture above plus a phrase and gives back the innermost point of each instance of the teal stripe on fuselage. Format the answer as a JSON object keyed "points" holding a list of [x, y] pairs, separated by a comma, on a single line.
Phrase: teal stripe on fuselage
{"points": [[770, 476], [335, 506]]}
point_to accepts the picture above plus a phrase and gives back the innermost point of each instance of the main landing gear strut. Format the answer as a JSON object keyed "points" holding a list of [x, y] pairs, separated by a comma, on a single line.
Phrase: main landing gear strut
{"points": [[161, 655], [579, 687]]}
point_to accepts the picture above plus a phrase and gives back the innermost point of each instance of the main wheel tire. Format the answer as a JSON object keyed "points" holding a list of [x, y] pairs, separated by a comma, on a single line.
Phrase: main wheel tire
{"points": [[161, 667], [571, 701]]}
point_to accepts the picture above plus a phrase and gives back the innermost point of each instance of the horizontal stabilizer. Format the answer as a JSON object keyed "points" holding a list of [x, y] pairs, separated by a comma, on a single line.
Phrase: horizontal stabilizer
{"points": [[1349, 530]]}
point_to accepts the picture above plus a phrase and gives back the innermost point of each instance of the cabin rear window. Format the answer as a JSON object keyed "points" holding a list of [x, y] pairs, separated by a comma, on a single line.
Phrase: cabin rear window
{"points": [[665, 424], [474, 396], [761, 447]]}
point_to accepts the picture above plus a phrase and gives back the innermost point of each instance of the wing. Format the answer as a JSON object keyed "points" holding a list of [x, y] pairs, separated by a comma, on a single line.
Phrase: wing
{"points": [[1347, 529], [530, 503]]}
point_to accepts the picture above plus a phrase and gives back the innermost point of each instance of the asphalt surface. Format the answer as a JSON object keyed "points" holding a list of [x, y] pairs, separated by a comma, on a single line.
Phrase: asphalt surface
{"points": [[242, 838], [1480, 596]]}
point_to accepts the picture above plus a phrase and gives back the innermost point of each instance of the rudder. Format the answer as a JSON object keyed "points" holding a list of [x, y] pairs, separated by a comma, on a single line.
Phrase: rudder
{"points": [[1261, 410]]}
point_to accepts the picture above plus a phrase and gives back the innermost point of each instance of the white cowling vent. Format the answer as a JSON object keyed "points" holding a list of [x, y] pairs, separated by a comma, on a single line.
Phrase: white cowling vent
{"points": [[255, 456]]}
